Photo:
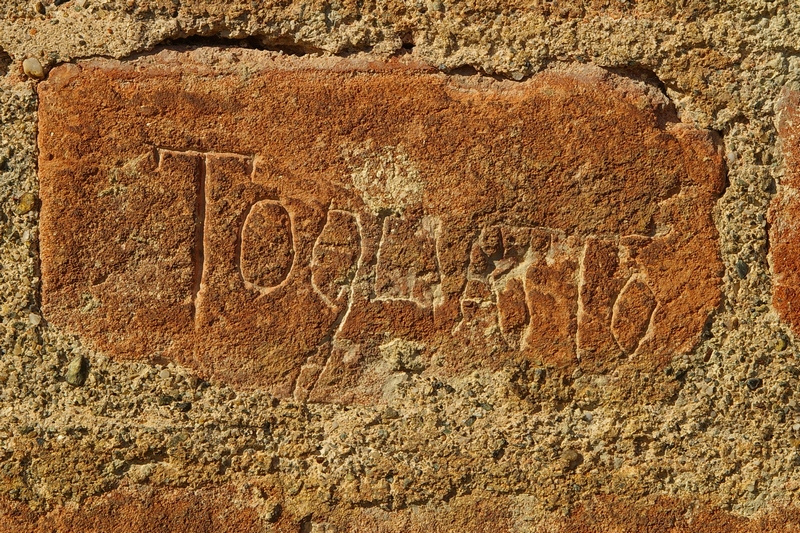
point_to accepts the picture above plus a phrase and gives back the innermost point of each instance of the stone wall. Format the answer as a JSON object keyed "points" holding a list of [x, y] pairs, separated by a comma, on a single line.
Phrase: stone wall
{"points": [[399, 266]]}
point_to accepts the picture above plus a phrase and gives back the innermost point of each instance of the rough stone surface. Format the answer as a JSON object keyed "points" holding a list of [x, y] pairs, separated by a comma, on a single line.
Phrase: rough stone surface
{"points": [[285, 228], [707, 443]]}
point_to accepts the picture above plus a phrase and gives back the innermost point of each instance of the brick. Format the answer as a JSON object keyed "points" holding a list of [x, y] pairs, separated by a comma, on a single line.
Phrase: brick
{"points": [[228, 508], [286, 223], [141, 510], [784, 236]]}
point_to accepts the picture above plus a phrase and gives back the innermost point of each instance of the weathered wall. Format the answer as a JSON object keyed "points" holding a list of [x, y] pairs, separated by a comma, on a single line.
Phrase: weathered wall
{"points": [[707, 441]]}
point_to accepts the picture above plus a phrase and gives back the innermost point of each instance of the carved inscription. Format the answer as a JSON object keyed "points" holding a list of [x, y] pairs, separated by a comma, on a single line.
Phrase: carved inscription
{"points": [[265, 252], [335, 257], [407, 267], [312, 233], [632, 313], [551, 292]]}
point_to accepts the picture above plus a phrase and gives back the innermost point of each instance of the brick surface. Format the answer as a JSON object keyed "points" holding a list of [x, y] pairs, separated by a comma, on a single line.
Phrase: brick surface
{"points": [[783, 215], [225, 509], [311, 226]]}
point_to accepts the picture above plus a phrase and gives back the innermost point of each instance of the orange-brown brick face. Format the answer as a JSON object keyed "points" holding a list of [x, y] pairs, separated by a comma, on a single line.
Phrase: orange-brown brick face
{"points": [[289, 228], [784, 234]]}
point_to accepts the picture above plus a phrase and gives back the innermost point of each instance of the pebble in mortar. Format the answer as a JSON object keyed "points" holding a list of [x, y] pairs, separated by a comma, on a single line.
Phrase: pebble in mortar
{"points": [[32, 68]]}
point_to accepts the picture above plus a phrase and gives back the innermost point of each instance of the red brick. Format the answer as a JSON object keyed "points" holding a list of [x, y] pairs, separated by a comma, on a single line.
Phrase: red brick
{"points": [[142, 510], [274, 226], [226, 509], [784, 235]]}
